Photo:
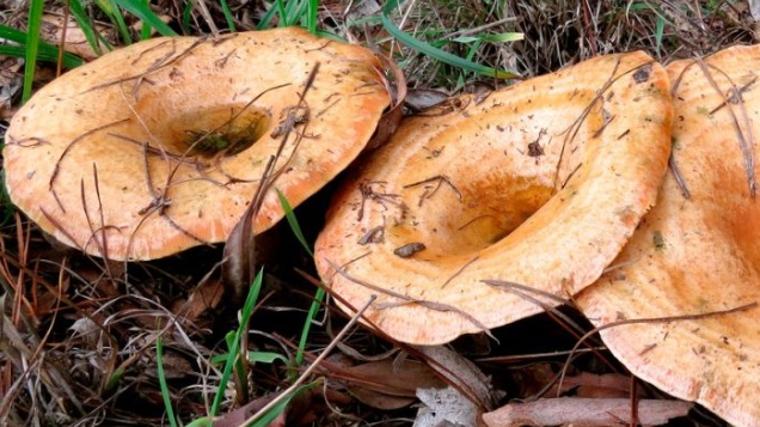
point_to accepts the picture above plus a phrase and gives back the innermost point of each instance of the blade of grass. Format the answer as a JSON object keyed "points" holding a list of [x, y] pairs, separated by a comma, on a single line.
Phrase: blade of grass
{"points": [[45, 50], [228, 15], [266, 419], [118, 18], [267, 357], [319, 296], [311, 16], [85, 24], [283, 21], [143, 11], [267, 18], [12, 34], [250, 302], [440, 55], [187, 13], [162, 382], [296, 11], [145, 30], [289, 392], [491, 38], [659, 31], [239, 369], [293, 221], [69, 61], [32, 45], [316, 303]]}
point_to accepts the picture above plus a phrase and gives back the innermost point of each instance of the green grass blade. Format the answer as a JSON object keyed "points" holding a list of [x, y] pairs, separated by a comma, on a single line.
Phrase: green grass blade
{"points": [[296, 11], [162, 382], [319, 296], [32, 45], [293, 222], [250, 302], [118, 18], [18, 36], [142, 11], [267, 357], [115, 378], [283, 14], [12, 34], [311, 16], [316, 303], [267, 18], [46, 51], [491, 38], [228, 15], [201, 422], [84, 22], [440, 55], [266, 419], [187, 14], [146, 29], [229, 338], [69, 61], [659, 31]]}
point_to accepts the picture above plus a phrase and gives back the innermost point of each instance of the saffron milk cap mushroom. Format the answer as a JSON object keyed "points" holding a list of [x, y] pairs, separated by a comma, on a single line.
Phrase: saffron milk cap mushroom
{"points": [[696, 256], [539, 184], [158, 147]]}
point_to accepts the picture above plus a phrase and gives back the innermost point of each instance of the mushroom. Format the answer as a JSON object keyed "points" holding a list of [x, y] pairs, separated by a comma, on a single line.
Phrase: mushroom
{"points": [[159, 146], [539, 184], [695, 261]]}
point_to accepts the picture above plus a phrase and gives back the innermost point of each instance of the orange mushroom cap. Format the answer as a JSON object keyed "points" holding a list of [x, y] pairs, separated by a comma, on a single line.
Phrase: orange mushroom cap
{"points": [[698, 250], [227, 102], [540, 184]]}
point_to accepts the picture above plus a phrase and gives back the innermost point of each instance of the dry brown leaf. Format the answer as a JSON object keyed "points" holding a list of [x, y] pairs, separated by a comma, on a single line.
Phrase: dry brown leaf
{"points": [[386, 384], [461, 373], [422, 99], [392, 116], [586, 412], [76, 42], [204, 297]]}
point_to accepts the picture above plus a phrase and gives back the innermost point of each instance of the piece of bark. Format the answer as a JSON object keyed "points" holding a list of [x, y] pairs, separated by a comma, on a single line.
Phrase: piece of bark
{"points": [[585, 412]]}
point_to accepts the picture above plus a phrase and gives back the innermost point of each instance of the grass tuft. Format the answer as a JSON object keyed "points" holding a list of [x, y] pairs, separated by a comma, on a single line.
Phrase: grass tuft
{"points": [[165, 395], [32, 44], [245, 316], [143, 11], [319, 295]]}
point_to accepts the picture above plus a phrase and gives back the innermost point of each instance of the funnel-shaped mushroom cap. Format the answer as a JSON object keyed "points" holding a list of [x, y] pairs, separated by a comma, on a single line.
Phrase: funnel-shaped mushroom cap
{"points": [[541, 184], [698, 251], [228, 102]]}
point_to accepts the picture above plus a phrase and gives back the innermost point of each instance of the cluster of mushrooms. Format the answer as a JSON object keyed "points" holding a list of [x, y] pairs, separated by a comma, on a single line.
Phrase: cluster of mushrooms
{"points": [[621, 185]]}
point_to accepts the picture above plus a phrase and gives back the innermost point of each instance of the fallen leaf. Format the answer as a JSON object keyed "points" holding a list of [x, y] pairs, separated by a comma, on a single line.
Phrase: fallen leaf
{"points": [[462, 373], [51, 31], [586, 412], [421, 99], [385, 384], [203, 297], [445, 407], [395, 83]]}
